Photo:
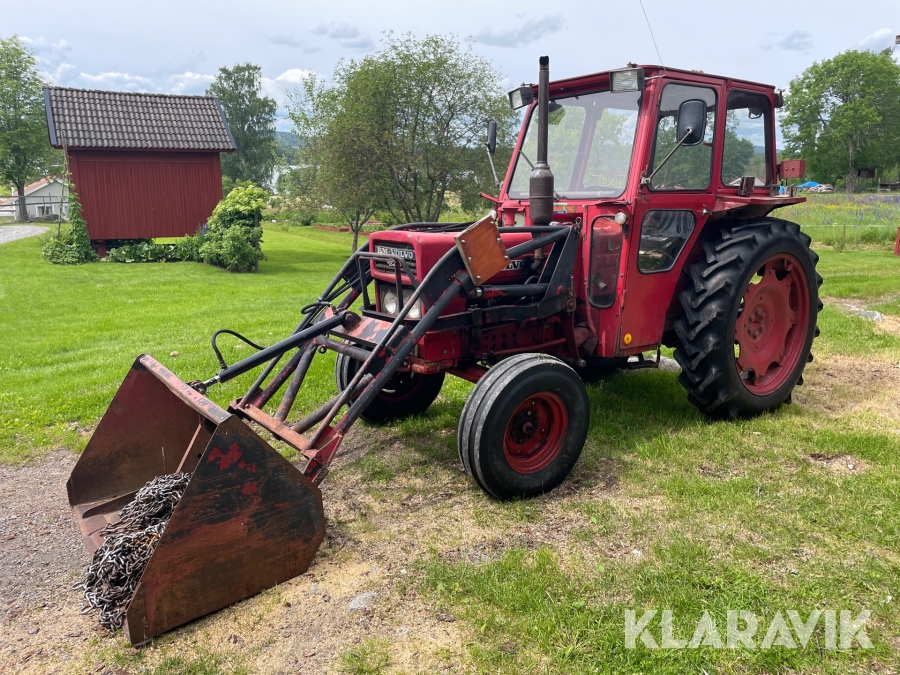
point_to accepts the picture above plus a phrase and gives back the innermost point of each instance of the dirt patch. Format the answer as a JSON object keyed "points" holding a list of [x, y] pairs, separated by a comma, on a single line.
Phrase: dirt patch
{"points": [[302, 626], [837, 463], [842, 385], [378, 535], [881, 322], [40, 558]]}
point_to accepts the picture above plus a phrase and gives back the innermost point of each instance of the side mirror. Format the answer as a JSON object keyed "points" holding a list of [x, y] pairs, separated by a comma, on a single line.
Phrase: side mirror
{"points": [[491, 136], [691, 127]]}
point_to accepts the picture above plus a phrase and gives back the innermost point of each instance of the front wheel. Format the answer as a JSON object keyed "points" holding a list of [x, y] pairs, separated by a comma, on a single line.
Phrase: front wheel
{"points": [[749, 318], [406, 393], [524, 426]]}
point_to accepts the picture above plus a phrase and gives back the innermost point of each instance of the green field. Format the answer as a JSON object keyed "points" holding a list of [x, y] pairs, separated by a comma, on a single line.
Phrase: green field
{"points": [[848, 221], [664, 510]]}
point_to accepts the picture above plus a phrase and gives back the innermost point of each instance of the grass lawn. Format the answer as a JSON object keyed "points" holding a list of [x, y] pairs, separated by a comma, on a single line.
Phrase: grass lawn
{"points": [[795, 510]]}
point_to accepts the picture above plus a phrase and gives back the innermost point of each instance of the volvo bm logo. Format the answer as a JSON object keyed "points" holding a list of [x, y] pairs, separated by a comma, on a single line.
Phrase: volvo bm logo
{"points": [[404, 253]]}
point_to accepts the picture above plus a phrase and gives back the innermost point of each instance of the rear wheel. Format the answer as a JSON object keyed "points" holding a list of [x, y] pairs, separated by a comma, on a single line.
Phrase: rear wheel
{"points": [[406, 393], [524, 426], [749, 319]]}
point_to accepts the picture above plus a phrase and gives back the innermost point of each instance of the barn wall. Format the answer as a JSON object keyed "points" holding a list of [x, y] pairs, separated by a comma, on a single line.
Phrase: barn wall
{"points": [[137, 195]]}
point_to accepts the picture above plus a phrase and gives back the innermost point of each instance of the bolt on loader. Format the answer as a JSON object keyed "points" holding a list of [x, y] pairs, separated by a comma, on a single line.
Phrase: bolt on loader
{"points": [[635, 213]]}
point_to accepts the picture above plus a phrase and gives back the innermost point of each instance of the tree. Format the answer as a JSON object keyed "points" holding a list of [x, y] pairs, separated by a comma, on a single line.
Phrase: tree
{"points": [[25, 152], [403, 129], [339, 168], [251, 118], [843, 114]]}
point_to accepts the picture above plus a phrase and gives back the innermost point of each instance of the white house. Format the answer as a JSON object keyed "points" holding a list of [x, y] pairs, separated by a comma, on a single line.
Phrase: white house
{"points": [[43, 199]]}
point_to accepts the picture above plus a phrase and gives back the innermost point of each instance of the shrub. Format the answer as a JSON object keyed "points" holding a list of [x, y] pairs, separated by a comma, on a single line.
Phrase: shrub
{"points": [[188, 248], [71, 246], [232, 239], [144, 251], [236, 249], [242, 206]]}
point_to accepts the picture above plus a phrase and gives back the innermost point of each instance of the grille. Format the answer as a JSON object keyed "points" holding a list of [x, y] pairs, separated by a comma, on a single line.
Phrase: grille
{"points": [[404, 251]]}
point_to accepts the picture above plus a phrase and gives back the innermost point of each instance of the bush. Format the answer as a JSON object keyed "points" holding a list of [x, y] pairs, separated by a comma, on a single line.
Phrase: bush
{"points": [[242, 206], [71, 246], [236, 249], [232, 239], [147, 251]]}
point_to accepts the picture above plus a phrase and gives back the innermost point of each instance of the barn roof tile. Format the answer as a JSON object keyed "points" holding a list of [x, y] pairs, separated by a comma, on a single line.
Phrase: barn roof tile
{"points": [[87, 118]]}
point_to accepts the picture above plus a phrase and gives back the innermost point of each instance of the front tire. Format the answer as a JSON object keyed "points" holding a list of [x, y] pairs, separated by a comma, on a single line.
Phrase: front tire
{"points": [[524, 426], [749, 319], [406, 393]]}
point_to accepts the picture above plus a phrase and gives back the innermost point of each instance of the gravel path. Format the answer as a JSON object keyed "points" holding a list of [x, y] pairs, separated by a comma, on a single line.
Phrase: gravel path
{"points": [[41, 556], [13, 232]]}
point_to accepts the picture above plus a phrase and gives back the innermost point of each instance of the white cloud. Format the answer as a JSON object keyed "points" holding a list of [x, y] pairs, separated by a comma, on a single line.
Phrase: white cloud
{"points": [[279, 86], [530, 30], [44, 47], [795, 41], [879, 40], [189, 83], [61, 74], [51, 57], [346, 35], [288, 41], [117, 82]]}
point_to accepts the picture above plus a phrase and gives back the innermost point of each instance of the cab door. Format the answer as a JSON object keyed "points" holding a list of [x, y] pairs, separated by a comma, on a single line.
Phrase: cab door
{"points": [[669, 212]]}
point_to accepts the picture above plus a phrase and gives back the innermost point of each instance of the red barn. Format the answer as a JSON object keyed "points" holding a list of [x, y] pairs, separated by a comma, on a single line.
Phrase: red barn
{"points": [[143, 165]]}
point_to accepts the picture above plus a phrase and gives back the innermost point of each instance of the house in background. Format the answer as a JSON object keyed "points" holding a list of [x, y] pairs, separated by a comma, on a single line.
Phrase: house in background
{"points": [[143, 165], [45, 198]]}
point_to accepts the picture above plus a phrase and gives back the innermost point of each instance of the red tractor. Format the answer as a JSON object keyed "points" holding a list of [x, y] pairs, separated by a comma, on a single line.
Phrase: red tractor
{"points": [[634, 213]]}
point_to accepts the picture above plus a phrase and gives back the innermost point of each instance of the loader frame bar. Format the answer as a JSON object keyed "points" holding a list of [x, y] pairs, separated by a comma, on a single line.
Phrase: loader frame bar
{"points": [[383, 343]]}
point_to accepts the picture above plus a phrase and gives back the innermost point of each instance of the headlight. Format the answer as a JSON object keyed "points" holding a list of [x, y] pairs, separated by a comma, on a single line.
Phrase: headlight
{"points": [[630, 79], [391, 305], [389, 302], [519, 98]]}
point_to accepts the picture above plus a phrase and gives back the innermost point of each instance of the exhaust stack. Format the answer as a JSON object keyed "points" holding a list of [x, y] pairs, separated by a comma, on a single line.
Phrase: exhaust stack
{"points": [[540, 190]]}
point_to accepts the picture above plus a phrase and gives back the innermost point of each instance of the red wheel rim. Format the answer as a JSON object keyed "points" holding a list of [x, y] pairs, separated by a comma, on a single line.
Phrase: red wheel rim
{"points": [[771, 326], [535, 432]]}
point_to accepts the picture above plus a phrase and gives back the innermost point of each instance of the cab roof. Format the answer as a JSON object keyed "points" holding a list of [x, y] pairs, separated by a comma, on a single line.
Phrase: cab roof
{"points": [[650, 70]]}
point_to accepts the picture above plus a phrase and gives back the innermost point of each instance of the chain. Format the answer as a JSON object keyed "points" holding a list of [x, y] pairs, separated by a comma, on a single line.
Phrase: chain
{"points": [[116, 567]]}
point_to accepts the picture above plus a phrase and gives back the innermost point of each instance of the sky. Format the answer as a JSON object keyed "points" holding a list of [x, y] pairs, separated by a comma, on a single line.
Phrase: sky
{"points": [[177, 46]]}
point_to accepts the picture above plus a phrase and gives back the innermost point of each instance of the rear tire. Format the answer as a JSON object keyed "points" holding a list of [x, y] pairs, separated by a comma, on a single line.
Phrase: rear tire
{"points": [[749, 318], [406, 393], [524, 426]]}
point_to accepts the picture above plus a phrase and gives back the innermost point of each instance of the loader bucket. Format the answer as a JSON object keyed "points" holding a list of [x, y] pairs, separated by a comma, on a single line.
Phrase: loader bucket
{"points": [[248, 519]]}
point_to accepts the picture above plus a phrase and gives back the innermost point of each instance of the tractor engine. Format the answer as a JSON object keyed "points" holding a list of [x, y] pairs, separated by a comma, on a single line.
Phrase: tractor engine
{"points": [[419, 252]]}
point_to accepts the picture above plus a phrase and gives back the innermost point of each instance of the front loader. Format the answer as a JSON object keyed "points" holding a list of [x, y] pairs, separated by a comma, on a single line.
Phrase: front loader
{"points": [[652, 228]]}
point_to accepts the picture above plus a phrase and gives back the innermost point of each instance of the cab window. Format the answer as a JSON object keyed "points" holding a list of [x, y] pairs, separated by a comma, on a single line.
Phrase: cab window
{"points": [[747, 138], [690, 167]]}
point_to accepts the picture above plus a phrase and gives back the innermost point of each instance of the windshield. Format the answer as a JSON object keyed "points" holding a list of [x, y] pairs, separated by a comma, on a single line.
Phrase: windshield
{"points": [[589, 143]]}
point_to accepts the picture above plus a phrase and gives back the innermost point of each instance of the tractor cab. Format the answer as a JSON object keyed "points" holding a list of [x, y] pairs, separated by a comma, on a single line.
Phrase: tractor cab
{"points": [[622, 165]]}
